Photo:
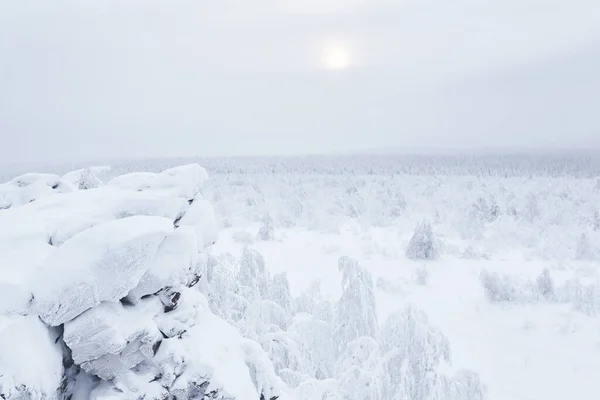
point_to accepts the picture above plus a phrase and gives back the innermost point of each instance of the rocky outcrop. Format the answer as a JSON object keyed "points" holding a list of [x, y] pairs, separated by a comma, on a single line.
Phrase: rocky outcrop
{"points": [[109, 308]]}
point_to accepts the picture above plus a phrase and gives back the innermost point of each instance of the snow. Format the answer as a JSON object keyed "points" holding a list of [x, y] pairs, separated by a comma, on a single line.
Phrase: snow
{"points": [[30, 187], [86, 178], [30, 360], [217, 353], [176, 256], [183, 181], [518, 350], [104, 276], [102, 263], [332, 286], [14, 299], [106, 329], [201, 217]]}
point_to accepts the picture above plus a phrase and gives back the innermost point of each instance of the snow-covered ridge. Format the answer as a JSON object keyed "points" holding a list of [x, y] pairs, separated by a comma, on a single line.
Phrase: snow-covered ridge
{"points": [[98, 296]]}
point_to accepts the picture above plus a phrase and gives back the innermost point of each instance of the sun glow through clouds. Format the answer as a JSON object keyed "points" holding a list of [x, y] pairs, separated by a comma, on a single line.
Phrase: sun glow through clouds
{"points": [[336, 57]]}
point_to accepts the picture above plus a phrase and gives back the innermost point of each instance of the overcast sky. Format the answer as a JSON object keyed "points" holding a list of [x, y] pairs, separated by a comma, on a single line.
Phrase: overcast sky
{"points": [[143, 78]]}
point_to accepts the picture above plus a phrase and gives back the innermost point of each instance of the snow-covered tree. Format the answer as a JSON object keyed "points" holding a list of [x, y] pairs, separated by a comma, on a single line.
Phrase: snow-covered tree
{"points": [[261, 317], [351, 202], [422, 275], [252, 275], [308, 300], [478, 215], [315, 343], [396, 203], [355, 313], [596, 221], [545, 285], [532, 208], [356, 367], [88, 180], [266, 230], [285, 354], [584, 248], [423, 245], [412, 351], [279, 292], [464, 385], [497, 288]]}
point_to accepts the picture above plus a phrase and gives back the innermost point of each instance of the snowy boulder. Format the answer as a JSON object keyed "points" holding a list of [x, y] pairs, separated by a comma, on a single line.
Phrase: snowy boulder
{"points": [[110, 339], [201, 216], [102, 263], [197, 353], [105, 329], [65, 228], [220, 360], [176, 255], [30, 360], [35, 178], [188, 179], [180, 319], [14, 299], [184, 181], [159, 204], [57, 218], [139, 387], [132, 181], [27, 188]]}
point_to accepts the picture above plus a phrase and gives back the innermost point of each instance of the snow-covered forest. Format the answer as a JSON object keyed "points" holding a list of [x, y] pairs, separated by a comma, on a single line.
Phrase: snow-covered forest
{"points": [[354, 278]]}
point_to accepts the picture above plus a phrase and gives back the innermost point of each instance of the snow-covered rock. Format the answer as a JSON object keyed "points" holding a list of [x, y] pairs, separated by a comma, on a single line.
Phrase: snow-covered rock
{"points": [[30, 359], [237, 367], [27, 188], [102, 263], [110, 339], [176, 255], [14, 299], [102, 284], [178, 320], [184, 181], [201, 216]]}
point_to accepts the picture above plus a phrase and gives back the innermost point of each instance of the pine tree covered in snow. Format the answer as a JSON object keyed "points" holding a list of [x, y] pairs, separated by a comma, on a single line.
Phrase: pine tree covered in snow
{"points": [[423, 245]]}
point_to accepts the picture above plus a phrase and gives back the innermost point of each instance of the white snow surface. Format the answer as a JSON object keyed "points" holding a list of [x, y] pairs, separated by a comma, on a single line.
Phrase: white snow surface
{"points": [[176, 256], [30, 360], [318, 286], [102, 263], [184, 181], [201, 216], [30, 187]]}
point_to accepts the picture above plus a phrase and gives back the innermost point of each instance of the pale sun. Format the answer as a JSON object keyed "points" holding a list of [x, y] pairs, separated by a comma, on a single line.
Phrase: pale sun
{"points": [[336, 58]]}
